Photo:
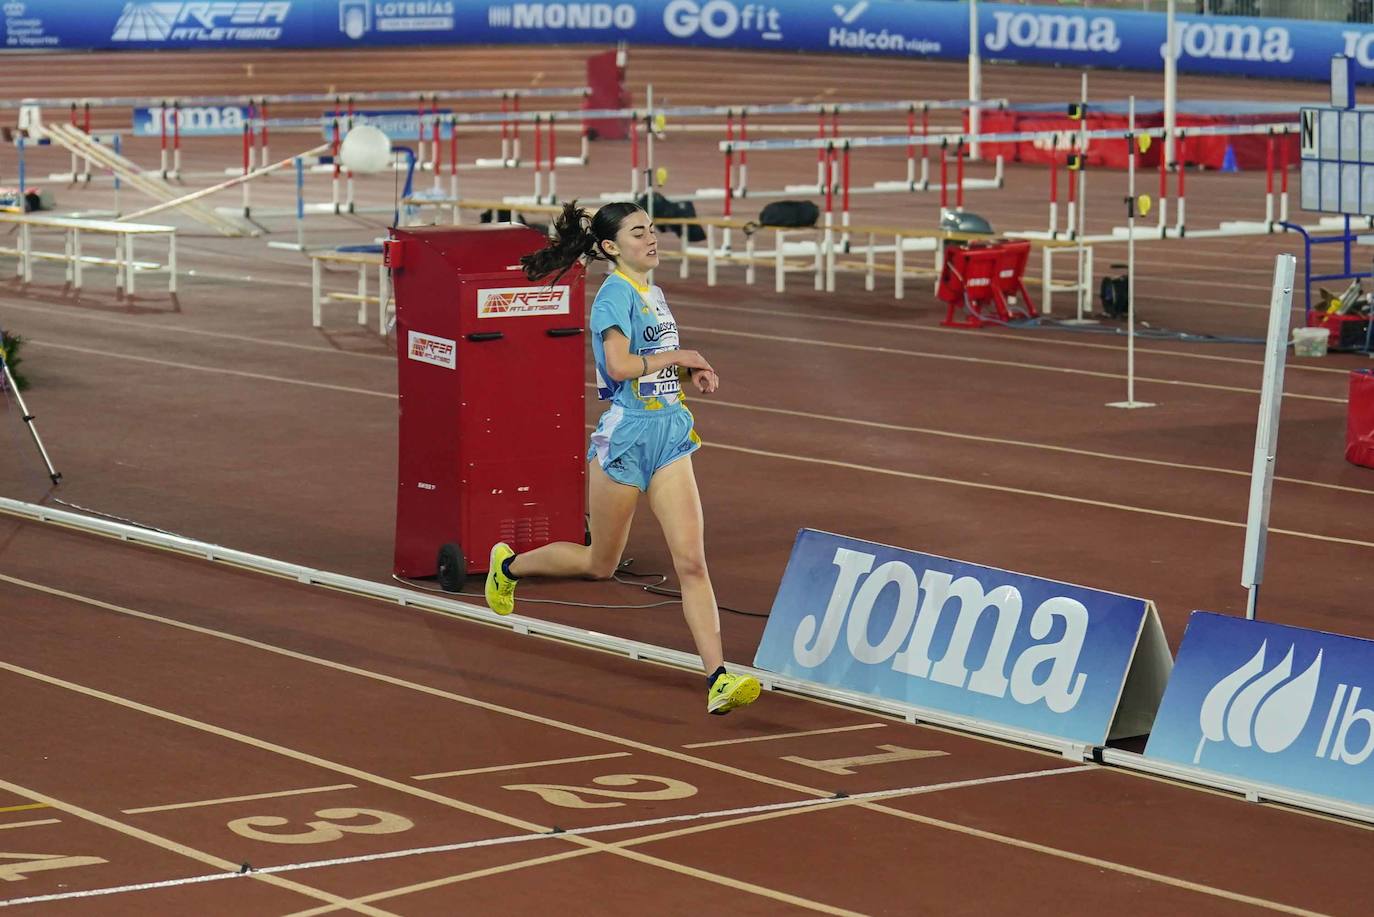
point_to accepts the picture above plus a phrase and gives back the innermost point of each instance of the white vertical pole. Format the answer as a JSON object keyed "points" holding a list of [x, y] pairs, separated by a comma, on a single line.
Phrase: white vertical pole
{"points": [[649, 188], [1130, 401], [1084, 293], [1130, 255], [1267, 430], [975, 78], [1170, 81]]}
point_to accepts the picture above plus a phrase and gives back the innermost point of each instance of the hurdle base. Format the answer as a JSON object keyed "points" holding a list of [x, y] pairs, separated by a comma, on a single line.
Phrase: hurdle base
{"points": [[318, 208], [1339, 222], [1131, 405], [297, 246]]}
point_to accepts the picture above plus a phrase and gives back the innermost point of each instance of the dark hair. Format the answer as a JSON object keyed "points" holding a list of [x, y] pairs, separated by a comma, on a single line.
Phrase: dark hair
{"points": [[576, 235]]}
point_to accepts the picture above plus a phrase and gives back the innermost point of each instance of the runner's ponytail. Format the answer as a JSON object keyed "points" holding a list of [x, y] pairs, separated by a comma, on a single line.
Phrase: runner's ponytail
{"points": [[576, 236]]}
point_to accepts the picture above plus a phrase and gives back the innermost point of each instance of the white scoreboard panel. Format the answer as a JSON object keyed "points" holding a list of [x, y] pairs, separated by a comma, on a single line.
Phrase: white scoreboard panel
{"points": [[1337, 160]]}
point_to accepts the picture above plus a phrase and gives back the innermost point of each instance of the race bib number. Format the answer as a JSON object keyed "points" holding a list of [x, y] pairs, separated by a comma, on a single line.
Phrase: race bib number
{"points": [[658, 384]]}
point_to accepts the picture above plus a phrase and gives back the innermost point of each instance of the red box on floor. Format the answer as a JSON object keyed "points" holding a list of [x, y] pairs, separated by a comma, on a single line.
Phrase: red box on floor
{"points": [[1359, 419], [1345, 332], [491, 379]]}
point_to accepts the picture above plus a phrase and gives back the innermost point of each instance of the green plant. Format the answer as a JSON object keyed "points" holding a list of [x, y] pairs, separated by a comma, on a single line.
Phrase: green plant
{"points": [[9, 349]]}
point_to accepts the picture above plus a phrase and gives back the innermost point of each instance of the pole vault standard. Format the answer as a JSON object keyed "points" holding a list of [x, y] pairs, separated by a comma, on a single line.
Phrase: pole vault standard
{"points": [[1267, 430]]}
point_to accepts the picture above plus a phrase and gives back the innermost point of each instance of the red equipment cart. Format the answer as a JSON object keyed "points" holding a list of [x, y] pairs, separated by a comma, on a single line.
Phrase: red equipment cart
{"points": [[491, 379]]}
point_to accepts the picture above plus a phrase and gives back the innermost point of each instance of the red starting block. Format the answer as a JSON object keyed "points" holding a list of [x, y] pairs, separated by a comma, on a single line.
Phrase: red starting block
{"points": [[979, 273]]}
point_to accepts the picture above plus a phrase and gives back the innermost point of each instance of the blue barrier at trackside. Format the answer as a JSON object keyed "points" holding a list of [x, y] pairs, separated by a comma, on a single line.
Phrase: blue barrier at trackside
{"points": [[1228, 45]]}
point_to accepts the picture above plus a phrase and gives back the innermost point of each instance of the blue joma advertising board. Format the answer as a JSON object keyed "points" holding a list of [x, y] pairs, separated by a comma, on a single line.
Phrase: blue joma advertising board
{"points": [[190, 121], [1273, 704], [978, 642], [936, 28]]}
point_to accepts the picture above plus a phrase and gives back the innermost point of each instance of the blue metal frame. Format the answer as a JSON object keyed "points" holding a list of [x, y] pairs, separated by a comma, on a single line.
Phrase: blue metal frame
{"points": [[1346, 239]]}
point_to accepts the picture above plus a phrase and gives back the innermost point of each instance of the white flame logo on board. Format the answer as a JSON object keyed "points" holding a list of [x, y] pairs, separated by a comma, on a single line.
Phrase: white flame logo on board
{"points": [[1251, 706]]}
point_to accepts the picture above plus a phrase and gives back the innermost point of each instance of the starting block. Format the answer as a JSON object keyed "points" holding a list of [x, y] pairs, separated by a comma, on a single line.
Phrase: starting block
{"points": [[980, 273]]}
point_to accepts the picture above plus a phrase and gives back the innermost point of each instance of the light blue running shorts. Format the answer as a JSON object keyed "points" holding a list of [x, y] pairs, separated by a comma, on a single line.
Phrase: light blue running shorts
{"points": [[632, 445]]}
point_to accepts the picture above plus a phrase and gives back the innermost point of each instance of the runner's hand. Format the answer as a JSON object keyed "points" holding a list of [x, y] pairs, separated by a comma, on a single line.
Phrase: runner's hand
{"points": [[707, 381]]}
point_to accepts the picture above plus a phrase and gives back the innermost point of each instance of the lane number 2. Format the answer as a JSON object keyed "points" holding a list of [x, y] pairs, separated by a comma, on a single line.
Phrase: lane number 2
{"points": [[571, 797]]}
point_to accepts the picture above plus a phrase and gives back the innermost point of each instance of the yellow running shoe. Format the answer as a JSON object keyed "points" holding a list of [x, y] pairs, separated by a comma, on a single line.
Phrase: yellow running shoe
{"points": [[731, 691], [500, 588]]}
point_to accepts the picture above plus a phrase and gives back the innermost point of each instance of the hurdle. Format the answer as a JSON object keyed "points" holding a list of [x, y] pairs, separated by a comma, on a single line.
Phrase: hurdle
{"points": [[828, 129], [1276, 164], [1178, 230], [1276, 178], [652, 120], [834, 156], [170, 116]]}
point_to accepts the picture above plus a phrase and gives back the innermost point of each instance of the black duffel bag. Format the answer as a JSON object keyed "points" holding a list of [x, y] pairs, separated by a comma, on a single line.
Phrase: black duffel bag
{"points": [[789, 213]]}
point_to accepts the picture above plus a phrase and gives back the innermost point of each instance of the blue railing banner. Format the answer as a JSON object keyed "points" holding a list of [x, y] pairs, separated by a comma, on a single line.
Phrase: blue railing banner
{"points": [[979, 642], [396, 123], [1271, 703], [1089, 37]]}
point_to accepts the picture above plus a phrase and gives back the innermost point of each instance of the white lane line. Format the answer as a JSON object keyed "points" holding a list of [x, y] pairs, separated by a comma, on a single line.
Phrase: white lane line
{"points": [[448, 802], [90, 351], [983, 335], [513, 767], [1019, 491], [570, 832], [192, 853], [785, 735], [31, 824], [1094, 862], [799, 458], [1008, 364], [395, 681], [145, 328], [993, 335], [1018, 443], [215, 802]]}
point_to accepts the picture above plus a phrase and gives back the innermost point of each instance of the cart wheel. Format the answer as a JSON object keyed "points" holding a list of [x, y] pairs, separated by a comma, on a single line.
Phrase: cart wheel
{"points": [[453, 568]]}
